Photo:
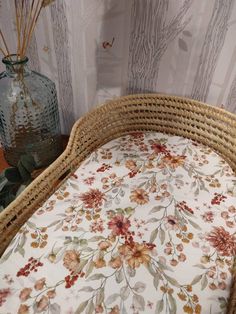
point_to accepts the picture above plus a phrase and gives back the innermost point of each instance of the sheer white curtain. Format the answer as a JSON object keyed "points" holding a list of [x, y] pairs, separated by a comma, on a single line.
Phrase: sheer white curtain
{"points": [[95, 50]]}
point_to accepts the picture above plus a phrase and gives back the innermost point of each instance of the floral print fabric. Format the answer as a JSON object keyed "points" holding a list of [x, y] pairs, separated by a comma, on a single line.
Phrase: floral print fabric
{"points": [[145, 225]]}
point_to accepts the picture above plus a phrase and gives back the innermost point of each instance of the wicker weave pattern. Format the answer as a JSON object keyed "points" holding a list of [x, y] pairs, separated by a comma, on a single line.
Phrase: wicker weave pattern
{"points": [[208, 125]]}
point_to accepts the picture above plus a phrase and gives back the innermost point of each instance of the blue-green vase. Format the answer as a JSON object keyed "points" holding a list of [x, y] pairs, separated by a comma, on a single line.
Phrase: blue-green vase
{"points": [[29, 118]]}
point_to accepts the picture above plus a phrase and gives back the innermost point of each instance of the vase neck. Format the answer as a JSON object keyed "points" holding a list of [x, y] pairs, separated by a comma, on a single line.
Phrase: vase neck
{"points": [[16, 67]]}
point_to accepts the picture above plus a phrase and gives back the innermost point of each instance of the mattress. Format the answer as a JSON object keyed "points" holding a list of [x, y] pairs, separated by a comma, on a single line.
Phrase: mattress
{"points": [[146, 224]]}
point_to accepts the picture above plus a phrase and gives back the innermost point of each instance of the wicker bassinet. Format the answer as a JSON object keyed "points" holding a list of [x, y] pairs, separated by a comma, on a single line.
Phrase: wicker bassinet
{"points": [[211, 126]]}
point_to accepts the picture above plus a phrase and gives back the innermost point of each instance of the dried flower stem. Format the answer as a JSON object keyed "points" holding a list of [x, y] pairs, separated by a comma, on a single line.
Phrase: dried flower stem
{"points": [[4, 41], [26, 15], [33, 23], [18, 27]]}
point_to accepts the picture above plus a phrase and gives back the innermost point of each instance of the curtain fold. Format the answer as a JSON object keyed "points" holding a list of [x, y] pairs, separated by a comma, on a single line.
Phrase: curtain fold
{"points": [[95, 50]]}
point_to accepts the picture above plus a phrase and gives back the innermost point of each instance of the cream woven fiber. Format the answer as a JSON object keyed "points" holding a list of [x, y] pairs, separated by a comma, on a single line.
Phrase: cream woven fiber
{"points": [[208, 125]]}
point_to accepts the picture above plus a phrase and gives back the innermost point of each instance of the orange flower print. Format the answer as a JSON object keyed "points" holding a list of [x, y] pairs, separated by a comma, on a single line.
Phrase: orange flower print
{"points": [[172, 161], [130, 164], [93, 198], [99, 263], [25, 294], [115, 310], [104, 245], [42, 304], [119, 225], [222, 241], [39, 284], [171, 223], [135, 254], [139, 196], [71, 260], [23, 309], [51, 294], [115, 262]]}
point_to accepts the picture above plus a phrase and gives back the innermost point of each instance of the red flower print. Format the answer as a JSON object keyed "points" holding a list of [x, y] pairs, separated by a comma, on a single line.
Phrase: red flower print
{"points": [[183, 206], [159, 148], [32, 265], [4, 293], [208, 216], [93, 198], [104, 167], [218, 198], [97, 226], [171, 222], [89, 180], [119, 225], [222, 241]]}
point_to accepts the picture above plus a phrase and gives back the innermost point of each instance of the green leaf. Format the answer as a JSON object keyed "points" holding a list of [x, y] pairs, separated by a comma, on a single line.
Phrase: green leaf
{"points": [[171, 280], [172, 304], [204, 282], [21, 250], [156, 280], [3, 181], [196, 226], [86, 289], [129, 210], [139, 302], [151, 220], [200, 266], [124, 292], [90, 308], [119, 276], [53, 223], [28, 162], [81, 307], [89, 268], [131, 271], [100, 296], [112, 298], [159, 307], [13, 175], [196, 279], [96, 238], [96, 277], [139, 287], [156, 209], [82, 263], [25, 175], [162, 235], [5, 257], [150, 269], [153, 235], [31, 224], [74, 186], [83, 242]]}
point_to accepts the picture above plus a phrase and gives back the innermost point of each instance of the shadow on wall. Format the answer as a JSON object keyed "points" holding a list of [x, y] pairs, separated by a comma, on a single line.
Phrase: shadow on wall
{"points": [[113, 50]]}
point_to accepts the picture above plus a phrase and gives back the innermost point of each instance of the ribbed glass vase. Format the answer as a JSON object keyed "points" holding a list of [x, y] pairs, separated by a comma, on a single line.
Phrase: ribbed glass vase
{"points": [[29, 118]]}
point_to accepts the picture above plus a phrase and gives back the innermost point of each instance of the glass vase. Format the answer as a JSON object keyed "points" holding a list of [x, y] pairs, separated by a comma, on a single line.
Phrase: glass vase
{"points": [[29, 118]]}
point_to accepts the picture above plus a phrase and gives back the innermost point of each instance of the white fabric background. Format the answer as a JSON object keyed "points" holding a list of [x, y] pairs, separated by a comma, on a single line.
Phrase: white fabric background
{"points": [[178, 47]]}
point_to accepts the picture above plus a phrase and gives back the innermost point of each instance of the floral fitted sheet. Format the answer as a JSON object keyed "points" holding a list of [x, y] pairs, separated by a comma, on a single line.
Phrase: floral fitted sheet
{"points": [[145, 225]]}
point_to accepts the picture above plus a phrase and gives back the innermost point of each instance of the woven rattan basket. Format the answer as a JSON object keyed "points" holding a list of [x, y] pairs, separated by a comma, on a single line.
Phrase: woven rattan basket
{"points": [[211, 126]]}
